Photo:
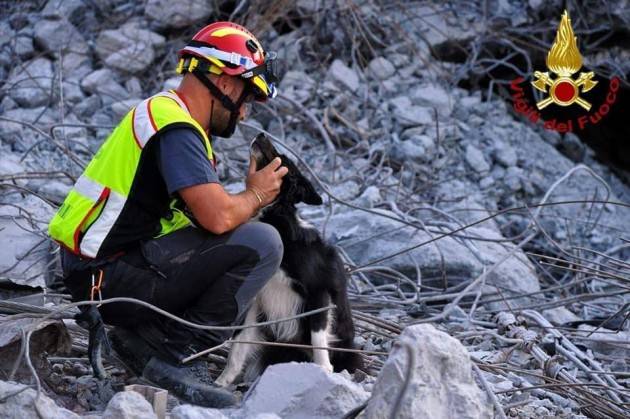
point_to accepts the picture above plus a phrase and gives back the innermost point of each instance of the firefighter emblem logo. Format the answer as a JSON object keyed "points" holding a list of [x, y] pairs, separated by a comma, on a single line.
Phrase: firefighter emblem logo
{"points": [[564, 60]]}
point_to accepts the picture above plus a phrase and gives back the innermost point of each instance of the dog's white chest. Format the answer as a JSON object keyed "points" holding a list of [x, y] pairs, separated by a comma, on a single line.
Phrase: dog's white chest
{"points": [[278, 300]]}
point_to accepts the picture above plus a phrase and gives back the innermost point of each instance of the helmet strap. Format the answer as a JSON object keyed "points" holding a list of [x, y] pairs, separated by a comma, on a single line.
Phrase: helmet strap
{"points": [[233, 107]]}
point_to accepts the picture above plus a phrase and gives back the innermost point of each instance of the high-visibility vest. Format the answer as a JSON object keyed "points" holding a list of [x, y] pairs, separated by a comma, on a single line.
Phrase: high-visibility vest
{"points": [[86, 221]]}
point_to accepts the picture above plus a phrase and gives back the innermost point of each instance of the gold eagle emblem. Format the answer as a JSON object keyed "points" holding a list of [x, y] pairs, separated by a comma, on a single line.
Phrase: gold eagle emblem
{"points": [[564, 60]]}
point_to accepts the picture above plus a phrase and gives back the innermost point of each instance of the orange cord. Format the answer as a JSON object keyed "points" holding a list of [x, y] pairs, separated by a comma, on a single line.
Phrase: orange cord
{"points": [[97, 287]]}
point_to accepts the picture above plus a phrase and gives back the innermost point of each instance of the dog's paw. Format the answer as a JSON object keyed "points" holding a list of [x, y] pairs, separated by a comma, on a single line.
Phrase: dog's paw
{"points": [[222, 381], [327, 367]]}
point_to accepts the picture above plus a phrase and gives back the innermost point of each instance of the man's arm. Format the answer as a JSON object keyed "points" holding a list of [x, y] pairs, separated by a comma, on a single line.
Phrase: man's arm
{"points": [[219, 211]]}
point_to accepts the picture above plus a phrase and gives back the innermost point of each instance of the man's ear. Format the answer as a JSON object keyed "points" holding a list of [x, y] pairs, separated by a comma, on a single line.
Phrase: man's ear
{"points": [[308, 193]]}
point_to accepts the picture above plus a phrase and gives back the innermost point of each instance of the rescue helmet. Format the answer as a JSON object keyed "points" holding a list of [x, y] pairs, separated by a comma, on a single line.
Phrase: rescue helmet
{"points": [[226, 47]]}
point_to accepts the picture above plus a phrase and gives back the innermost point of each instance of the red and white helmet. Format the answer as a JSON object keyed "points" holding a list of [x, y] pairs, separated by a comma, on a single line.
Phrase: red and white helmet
{"points": [[225, 47]]}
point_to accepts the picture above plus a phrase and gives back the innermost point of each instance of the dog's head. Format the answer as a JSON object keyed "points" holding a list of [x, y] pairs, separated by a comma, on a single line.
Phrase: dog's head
{"points": [[295, 187]]}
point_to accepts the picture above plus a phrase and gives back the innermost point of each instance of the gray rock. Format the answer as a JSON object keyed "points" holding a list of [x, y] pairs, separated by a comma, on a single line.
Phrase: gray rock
{"points": [[474, 157], [129, 405], [72, 92], [128, 49], [30, 84], [120, 109], [303, 390], [87, 107], [17, 135], [381, 68], [559, 316], [441, 385], [434, 96], [298, 85], [63, 8], [178, 14], [513, 177], [103, 83], [344, 75], [505, 154], [21, 405], [410, 115], [60, 36], [134, 86], [172, 83], [22, 45], [187, 411]]}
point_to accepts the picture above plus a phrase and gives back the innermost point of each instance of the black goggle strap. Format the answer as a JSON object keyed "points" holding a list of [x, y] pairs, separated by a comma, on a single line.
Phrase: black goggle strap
{"points": [[268, 69]]}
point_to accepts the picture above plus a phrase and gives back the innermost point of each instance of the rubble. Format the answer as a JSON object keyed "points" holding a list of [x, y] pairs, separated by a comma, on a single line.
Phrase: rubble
{"points": [[446, 205], [20, 403], [437, 382], [303, 390], [128, 405]]}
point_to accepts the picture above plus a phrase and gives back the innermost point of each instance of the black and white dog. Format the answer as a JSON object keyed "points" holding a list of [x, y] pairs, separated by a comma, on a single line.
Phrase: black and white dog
{"points": [[311, 276]]}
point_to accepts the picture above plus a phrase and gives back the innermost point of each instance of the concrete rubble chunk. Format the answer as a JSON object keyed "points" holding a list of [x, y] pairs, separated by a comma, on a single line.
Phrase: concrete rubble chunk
{"points": [[102, 82], [178, 14], [129, 49], [408, 114], [435, 96], [559, 316], [58, 34], [129, 405], [345, 75], [474, 157], [381, 68], [21, 405], [441, 385], [30, 84], [303, 390], [188, 411]]}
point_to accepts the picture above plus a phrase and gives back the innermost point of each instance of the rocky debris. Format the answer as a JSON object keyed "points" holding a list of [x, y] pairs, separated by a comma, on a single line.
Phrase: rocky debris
{"points": [[381, 68], [187, 411], [447, 256], [103, 83], [344, 75], [441, 384], [179, 14], [30, 84], [303, 390], [408, 146], [475, 158], [129, 49], [58, 36], [21, 404], [559, 316], [129, 405]]}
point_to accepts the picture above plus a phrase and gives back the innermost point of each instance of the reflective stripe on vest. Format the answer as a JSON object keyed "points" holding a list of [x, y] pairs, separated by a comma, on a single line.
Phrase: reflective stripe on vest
{"points": [[94, 204]]}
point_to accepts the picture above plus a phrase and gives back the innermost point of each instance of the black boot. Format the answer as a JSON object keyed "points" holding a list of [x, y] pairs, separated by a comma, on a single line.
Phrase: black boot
{"points": [[191, 382], [132, 350]]}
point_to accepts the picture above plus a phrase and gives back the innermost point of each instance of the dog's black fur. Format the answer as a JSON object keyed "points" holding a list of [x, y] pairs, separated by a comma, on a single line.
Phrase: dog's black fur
{"points": [[315, 270]]}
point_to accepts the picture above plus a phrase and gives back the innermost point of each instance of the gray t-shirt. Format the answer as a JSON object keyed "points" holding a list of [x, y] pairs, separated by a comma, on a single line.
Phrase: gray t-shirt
{"points": [[183, 161]]}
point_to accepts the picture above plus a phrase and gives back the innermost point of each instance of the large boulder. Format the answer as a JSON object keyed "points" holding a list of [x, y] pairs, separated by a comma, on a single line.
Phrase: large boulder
{"points": [[30, 84], [21, 405], [440, 386], [178, 14], [301, 390]]}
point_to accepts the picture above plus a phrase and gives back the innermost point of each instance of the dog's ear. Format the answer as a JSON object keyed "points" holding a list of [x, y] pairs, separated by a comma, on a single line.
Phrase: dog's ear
{"points": [[307, 192]]}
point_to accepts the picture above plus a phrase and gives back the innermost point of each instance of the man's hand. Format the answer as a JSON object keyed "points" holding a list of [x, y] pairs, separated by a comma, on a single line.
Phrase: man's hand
{"points": [[266, 182]]}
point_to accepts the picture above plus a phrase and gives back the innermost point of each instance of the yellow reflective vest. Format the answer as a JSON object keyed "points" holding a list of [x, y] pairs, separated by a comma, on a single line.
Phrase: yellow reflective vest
{"points": [[91, 222]]}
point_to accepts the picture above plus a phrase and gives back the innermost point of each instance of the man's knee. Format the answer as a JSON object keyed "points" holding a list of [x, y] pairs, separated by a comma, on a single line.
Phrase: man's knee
{"points": [[261, 237]]}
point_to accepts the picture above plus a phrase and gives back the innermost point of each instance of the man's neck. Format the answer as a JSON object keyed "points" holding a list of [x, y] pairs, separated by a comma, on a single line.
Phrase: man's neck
{"points": [[197, 102]]}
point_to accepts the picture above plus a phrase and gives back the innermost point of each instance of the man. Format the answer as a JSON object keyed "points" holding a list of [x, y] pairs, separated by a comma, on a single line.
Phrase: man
{"points": [[125, 228]]}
